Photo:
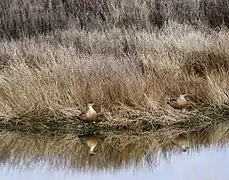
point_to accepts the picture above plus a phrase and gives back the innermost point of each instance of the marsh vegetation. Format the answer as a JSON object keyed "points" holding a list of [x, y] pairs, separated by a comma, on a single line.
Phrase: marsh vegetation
{"points": [[128, 57]]}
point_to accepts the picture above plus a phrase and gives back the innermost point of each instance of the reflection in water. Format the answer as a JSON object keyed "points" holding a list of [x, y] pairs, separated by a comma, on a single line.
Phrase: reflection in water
{"points": [[91, 142], [112, 152], [182, 142]]}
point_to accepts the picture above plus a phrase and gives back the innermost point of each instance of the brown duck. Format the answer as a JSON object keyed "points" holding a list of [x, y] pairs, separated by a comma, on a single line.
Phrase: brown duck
{"points": [[90, 114], [178, 103]]}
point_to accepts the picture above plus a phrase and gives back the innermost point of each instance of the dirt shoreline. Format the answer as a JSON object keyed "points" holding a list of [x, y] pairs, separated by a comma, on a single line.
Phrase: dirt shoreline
{"points": [[187, 120]]}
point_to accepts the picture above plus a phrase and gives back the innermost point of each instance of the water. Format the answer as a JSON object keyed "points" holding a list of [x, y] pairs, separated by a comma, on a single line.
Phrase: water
{"points": [[116, 156]]}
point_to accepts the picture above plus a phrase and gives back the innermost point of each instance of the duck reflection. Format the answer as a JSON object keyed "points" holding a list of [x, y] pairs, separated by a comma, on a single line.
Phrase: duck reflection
{"points": [[182, 142], [92, 142]]}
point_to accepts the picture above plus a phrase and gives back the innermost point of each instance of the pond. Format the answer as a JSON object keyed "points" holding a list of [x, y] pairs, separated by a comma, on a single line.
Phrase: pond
{"points": [[173, 154]]}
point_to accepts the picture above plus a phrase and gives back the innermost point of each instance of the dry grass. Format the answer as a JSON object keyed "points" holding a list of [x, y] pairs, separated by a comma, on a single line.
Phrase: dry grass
{"points": [[29, 17], [128, 71], [125, 74], [116, 151]]}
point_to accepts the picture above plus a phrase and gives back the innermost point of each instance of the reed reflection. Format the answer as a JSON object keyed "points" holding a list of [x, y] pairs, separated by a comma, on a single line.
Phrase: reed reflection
{"points": [[109, 152]]}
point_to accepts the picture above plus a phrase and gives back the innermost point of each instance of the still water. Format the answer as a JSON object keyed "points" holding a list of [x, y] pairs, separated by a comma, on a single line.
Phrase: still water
{"points": [[116, 156]]}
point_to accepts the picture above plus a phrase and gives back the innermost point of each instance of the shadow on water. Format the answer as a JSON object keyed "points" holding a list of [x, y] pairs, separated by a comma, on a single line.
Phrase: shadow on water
{"points": [[109, 152]]}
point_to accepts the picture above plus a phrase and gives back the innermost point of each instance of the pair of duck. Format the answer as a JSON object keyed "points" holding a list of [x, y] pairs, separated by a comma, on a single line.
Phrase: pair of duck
{"points": [[91, 115]]}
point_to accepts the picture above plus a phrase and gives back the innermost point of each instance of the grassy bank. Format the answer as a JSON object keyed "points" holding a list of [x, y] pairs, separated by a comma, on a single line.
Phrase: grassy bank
{"points": [[127, 71]]}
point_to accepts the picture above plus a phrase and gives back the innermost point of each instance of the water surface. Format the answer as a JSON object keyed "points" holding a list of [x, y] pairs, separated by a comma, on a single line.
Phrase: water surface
{"points": [[116, 156]]}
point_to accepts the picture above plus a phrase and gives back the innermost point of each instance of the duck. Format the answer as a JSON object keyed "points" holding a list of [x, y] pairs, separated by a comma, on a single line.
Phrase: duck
{"points": [[179, 102], [90, 114]]}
